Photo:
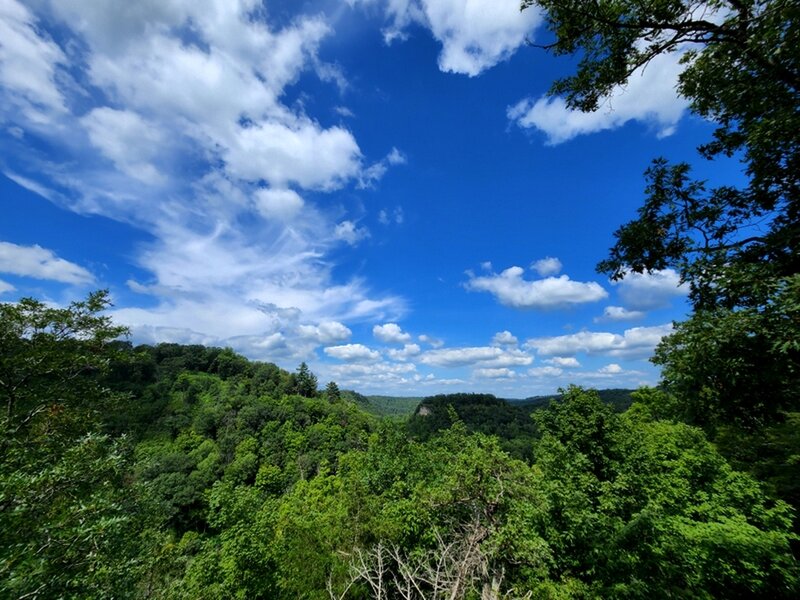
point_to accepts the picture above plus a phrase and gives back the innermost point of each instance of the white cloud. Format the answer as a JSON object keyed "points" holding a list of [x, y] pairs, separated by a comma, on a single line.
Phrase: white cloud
{"points": [[375, 172], [459, 357], [509, 358], [390, 333], [6, 287], [475, 35], [547, 266], [655, 289], [40, 263], [281, 204], [29, 66], [352, 353], [397, 216], [193, 144], [504, 338], [568, 362], [300, 153], [512, 290], [499, 373], [128, 140], [408, 351], [484, 356], [395, 157], [649, 97], [378, 376], [545, 372], [637, 342], [348, 232], [610, 369], [431, 341], [31, 185], [619, 313], [325, 333]]}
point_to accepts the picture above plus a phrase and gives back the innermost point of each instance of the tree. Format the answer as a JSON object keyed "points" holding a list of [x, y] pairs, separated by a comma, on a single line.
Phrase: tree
{"points": [[736, 247], [69, 514], [332, 392], [305, 381], [52, 358]]}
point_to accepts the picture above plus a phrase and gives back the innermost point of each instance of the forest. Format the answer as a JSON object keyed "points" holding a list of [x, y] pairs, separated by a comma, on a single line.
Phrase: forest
{"points": [[184, 471], [174, 471]]}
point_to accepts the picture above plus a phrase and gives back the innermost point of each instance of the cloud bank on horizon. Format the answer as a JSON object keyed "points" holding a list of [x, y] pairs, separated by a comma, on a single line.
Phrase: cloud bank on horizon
{"points": [[219, 131]]}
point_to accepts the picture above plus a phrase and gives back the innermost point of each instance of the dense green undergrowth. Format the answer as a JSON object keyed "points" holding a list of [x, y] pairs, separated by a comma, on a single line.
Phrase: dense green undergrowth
{"points": [[189, 472]]}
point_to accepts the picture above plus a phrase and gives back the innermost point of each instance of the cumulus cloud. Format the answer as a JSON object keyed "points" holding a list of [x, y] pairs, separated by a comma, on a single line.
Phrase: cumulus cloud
{"points": [[637, 342], [350, 370], [547, 266], [131, 142], [512, 290], [568, 362], [280, 204], [619, 313], [651, 290], [459, 357], [498, 373], [390, 333], [349, 232], [484, 356], [352, 353], [649, 97], [504, 338], [379, 376], [474, 35], [299, 152], [610, 369], [325, 333], [40, 263], [545, 372], [409, 351]]}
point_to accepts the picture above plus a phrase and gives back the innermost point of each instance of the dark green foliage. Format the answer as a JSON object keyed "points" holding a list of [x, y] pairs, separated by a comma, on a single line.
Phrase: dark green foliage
{"points": [[65, 501], [391, 406], [332, 392], [50, 362], [305, 382], [512, 424], [649, 508], [613, 506], [619, 399], [509, 420], [183, 472]]}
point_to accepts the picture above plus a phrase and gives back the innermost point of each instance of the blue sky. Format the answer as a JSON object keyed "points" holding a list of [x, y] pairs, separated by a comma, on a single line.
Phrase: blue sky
{"points": [[379, 188]]}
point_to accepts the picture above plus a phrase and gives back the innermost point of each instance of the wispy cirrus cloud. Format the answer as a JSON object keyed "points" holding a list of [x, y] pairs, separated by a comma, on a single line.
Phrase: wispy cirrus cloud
{"points": [[190, 140]]}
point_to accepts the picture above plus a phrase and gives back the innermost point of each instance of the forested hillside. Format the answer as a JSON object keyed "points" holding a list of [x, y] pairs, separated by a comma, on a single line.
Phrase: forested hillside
{"points": [[188, 472]]}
